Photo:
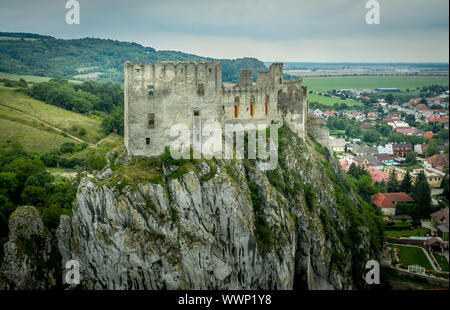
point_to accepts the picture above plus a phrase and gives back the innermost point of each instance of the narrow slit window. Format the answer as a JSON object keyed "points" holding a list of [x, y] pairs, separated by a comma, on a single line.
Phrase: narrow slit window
{"points": [[252, 105], [267, 105], [151, 121], [147, 141]]}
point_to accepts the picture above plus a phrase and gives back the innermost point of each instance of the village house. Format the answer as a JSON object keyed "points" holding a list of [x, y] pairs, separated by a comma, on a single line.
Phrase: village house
{"points": [[401, 150], [409, 131], [439, 221], [338, 145], [364, 150], [369, 161], [387, 201], [420, 148], [428, 135], [378, 175], [436, 162]]}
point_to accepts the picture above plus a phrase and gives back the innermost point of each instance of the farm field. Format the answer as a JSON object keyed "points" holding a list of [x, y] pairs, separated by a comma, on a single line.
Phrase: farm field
{"points": [[28, 78], [372, 82], [413, 256], [331, 101], [66, 120]]}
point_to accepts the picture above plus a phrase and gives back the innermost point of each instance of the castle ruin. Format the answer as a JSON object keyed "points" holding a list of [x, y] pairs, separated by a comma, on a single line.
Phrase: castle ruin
{"points": [[162, 94]]}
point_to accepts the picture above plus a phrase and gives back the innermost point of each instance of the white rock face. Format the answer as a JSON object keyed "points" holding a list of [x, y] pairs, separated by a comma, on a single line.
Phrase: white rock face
{"points": [[193, 234]]}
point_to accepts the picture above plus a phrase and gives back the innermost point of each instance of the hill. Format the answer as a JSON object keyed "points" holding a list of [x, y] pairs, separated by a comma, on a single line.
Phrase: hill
{"points": [[41, 127], [91, 58]]}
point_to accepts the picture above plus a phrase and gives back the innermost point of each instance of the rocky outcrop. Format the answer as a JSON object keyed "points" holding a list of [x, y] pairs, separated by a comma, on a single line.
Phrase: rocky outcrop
{"points": [[28, 259], [215, 225]]}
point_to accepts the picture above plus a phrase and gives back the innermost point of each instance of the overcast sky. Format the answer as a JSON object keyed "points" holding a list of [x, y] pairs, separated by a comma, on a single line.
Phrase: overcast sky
{"points": [[271, 30]]}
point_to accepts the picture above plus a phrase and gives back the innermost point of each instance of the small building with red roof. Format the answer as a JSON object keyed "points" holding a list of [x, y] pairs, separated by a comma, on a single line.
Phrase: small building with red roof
{"points": [[428, 135], [409, 131], [387, 201], [432, 119], [377, 175]]}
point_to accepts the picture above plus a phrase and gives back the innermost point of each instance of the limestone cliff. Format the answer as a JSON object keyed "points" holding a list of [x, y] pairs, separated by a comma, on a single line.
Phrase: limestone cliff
{"points": [[29, 261], [217, 224]]}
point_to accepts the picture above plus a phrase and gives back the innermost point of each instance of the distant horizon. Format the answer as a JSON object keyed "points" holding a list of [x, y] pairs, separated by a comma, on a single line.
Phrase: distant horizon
{"points": [[264, 61]]}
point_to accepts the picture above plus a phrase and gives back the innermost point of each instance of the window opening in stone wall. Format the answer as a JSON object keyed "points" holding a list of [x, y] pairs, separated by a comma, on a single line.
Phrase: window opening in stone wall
{"points": [[147, 141], [150, 89], [236, 106], [252, 105], [200, 89], [151, 120]]}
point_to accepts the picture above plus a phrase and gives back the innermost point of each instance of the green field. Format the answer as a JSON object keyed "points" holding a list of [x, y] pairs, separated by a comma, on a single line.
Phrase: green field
{"points": [[413, 256], [65, 120], [322, 84], [28, 78], [419, 232], [330, 101]]}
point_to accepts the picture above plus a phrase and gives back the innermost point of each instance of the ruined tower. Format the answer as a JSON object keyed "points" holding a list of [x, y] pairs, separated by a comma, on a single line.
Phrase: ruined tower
{"points": [[160, 95]]}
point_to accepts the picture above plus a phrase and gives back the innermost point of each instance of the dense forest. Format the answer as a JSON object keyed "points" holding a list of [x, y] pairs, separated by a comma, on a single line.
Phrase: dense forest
{"points": [[24, 53]]}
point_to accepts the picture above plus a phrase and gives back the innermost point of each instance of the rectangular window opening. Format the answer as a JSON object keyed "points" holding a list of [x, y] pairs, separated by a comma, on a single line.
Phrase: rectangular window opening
{"points": [[151, 120], [147, 141], [200, 89]]}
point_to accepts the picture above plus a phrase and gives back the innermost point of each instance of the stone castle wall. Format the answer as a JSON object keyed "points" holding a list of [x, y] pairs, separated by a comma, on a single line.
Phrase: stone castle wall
{"points": [[159, 95]]}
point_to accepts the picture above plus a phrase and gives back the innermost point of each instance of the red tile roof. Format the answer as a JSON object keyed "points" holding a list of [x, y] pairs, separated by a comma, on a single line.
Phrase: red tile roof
{"points": [[432, 118], [438, 159], [441, 217], [385, 200], [406, 129], [428, 135], [377, 175]]}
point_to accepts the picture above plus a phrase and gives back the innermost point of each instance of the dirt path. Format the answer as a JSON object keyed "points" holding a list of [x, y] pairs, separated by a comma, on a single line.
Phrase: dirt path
{"points": [[51, 126]]}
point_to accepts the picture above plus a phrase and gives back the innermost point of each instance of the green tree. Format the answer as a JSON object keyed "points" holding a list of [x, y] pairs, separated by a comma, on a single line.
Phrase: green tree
{"points": [[411, 159], [422, 194], [392, 184], [432, 148], [389, 98], [371, 136], [406, 185]]}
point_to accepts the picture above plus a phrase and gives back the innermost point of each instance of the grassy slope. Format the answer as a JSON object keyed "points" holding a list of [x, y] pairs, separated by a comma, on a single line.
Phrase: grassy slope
{"points": [[58, 117], [31, 138]]}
